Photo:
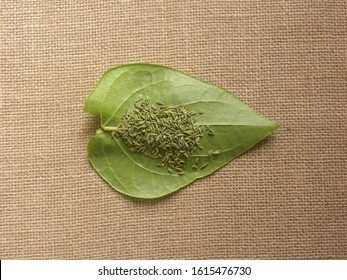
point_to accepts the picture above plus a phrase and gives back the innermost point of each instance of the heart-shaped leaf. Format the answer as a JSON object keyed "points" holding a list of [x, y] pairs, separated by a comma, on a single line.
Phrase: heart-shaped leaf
{"points": [[236, 127]]}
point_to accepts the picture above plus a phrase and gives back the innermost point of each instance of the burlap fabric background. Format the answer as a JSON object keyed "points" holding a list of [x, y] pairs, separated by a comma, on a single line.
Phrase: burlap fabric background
{"points": [[284, 199]]}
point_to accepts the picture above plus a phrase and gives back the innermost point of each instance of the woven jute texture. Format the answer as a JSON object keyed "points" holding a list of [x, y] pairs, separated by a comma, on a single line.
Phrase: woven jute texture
{"points": [[286, 198]]}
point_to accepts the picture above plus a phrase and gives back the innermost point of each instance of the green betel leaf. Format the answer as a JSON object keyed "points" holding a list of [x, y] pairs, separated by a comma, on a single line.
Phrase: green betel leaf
{"points": [[230, 128]]}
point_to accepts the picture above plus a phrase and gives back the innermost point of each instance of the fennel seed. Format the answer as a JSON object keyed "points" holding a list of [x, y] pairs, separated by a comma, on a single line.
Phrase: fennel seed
{"points": [[169, 133]]}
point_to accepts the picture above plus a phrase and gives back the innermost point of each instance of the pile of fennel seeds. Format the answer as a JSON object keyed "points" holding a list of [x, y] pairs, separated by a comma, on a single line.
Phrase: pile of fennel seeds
{"points": [[160, 132]]}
